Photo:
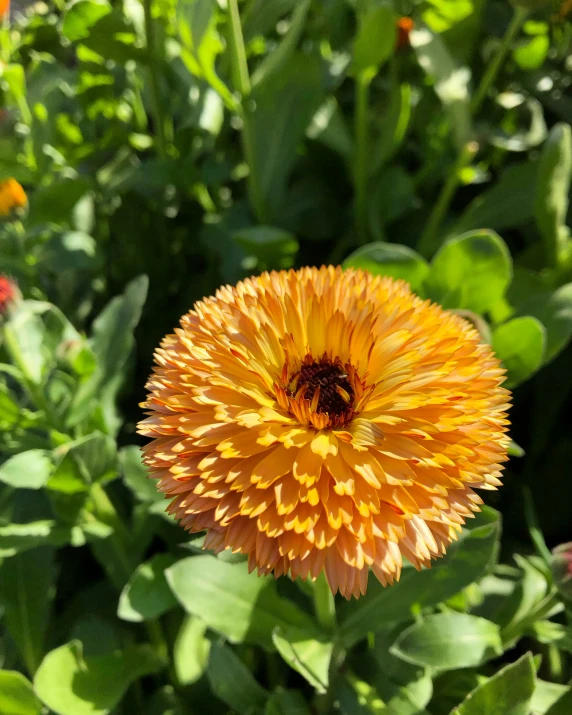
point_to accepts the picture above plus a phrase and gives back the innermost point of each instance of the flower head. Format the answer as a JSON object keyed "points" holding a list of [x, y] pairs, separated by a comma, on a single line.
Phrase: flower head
{"points": [[404, 27], [8, 292], [12, 196], [325, 420]]}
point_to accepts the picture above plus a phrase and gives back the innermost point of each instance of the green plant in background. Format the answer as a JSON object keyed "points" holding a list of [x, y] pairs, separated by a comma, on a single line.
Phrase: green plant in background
{"points": [[167, 148]]}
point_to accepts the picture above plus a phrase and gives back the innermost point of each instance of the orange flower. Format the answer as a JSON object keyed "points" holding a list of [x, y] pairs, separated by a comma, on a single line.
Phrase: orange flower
{"points": [[325, 420], [8, 292], [12, 196], [4, 8], [404, 27]]}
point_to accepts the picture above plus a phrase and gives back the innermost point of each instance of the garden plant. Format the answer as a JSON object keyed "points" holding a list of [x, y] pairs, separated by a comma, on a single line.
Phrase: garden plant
{"points": [[285, 361]]}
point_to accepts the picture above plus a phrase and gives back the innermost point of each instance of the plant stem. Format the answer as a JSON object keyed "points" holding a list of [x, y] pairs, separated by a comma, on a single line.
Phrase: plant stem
{"points": [[518, 18], [427, 241], [153, 59], [534, 527], [324, 603], [361, 169], [239, 66], [242, 85]]}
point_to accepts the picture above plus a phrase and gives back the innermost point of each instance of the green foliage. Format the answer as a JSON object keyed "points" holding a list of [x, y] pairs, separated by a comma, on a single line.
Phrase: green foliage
{"points": [[168, 148]]}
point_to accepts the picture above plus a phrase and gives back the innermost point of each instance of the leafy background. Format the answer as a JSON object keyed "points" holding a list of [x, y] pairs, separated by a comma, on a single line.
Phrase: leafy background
{"points": [[172, 146]]}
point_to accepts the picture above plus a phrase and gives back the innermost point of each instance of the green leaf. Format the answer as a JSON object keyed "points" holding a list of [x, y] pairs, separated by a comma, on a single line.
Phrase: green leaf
{"points": [[390, 259], [17, 695], [70, 684], [248, 612], [393, 126], [112, 341], [531, 54], [232, 682], [191, 650], [286, 702], [72, 250], [507, 692], [83, 462], [554, 311], [81, 16], [375, 39], [276, 120], [136, 476], [449, 641], [451, 81], [520, 344], [27, 587], [309, 654], [147, 594], [466, 562], [27, 470], [563, 706], [56, 202], [472, 272], [508, 202], [273, 247], [16, 538], [552, 189], [442, 15], [548, 694]]}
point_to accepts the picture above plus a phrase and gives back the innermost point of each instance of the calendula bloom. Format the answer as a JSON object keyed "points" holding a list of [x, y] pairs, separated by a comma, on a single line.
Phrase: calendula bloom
{"points": [[325, 420], [4, 8], [8, 292], [404, 27], [12, 196]]}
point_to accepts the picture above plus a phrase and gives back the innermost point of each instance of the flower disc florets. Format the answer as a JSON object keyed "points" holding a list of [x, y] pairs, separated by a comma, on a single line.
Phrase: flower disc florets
{"points": [[325, 420]]}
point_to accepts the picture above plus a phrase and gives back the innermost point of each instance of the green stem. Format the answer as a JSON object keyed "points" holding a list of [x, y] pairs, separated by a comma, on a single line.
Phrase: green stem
{"points": [[518, 18], [361, 169], [534, 527], [153, 59], [324, 603], [242, 84], [240, 76], [427, 242], [555, 665]]}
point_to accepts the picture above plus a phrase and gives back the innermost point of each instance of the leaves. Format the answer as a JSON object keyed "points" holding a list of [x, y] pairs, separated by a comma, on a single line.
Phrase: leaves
{"points": [[390, 259], [472, 272], [191, 650], [309, 654], [70, 684], [375, 40], [147, 594], [248, 613], [449, 640], [507, 692], [520, 344], [27, 470], [232, 682], [17, 695]]}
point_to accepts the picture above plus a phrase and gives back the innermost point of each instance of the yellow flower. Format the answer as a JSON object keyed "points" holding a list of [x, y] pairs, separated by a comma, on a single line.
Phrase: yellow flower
{"points": [[325, 420], [12, 196]]}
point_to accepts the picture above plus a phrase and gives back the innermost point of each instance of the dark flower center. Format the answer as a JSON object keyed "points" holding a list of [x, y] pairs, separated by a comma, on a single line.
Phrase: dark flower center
{"points": [[336, 393]]}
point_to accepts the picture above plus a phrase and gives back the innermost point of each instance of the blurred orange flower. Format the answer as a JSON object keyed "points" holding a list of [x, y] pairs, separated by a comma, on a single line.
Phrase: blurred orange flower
{"points": [[404, 27], [12, 196], [4, 7], [8, 292], [323, 419]]}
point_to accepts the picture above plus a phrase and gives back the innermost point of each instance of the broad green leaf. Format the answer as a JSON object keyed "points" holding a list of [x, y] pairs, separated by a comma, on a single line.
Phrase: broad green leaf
{"points": [[390, 259], [147, 594], [286, 702], [276, 120], [56, 202], [81, 16], [548, 694], [552, 189], [27, 587], [393, 125], [272, 247], [532, 52], [83, 462], [507, 692], [112, 340], [278, 58], [375, 39], [442, 15], [466, 562], [17, 695], [232, 682], [451, 81], [520, 344], [136, 476], [309, 654], [70, 684], [563, 706], [449, 641], [554, 311], [27, 470], [508, 202], [472, 272], [72, 250], [249, 611], [191, 650], [16, 538]]}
